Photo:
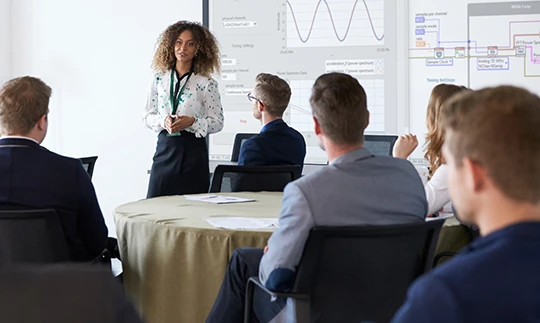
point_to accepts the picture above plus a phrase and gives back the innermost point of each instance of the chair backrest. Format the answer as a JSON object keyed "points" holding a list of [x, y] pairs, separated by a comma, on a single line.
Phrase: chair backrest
{"points": [[238, 141], [232, 178], [88, 164], [31, 236], [474, 231], [63, 293], [380, 145], [356, 274]]}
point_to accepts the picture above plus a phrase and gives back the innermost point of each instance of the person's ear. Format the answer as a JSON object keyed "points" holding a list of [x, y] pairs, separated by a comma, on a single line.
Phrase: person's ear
{"points": [[367, 120], [260, 106], [42, 122], [474, 175], [317, 126]]}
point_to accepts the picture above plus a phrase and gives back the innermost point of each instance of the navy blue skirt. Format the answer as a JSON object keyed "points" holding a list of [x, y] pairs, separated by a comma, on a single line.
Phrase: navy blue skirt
{"points": [[180, 166]]}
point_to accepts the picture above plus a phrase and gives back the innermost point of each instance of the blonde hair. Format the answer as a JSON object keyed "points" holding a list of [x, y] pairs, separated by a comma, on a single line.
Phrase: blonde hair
{"points": [[206, 60], [273, 92], [23, 101], [435, 135], [498, 129]]}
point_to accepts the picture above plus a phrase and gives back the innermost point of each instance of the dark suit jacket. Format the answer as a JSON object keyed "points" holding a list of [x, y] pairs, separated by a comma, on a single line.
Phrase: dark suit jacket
{"points": [[33, 177], [493, 279], [277, 144]]}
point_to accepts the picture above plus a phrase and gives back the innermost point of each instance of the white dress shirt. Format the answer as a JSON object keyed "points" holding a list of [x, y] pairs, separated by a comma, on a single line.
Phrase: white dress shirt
{"points": [[437, 193], [200, 99]]}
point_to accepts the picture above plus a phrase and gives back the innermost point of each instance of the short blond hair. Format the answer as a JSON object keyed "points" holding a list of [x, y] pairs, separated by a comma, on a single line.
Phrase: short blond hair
{"points": [[498, 128], [274, 92], [23, 101]]}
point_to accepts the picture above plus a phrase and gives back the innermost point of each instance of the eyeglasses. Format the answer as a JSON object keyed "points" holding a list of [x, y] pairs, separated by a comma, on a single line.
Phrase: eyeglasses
{"points": [[251, 98]]}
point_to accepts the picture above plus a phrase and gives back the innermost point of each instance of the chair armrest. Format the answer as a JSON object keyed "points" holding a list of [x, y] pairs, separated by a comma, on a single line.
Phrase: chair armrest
{"points": [[112, 246], [256, 281], [103, 258], [250, 286], [441, 255]]}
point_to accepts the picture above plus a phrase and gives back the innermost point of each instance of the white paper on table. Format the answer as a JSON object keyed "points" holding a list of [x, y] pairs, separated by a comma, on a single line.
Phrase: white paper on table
{"points": [[217, 199], [441, 216], [243, 223]]}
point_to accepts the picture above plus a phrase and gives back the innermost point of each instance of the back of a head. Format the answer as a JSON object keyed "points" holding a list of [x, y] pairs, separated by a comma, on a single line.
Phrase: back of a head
{"points": [[498, 128], [435, 136], [339, 104], [439, 95], [23, 101], [274, 93]]}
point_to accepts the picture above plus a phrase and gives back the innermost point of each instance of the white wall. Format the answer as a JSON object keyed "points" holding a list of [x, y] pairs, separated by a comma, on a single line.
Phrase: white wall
{"points": [[5, 41], [96, 56]]}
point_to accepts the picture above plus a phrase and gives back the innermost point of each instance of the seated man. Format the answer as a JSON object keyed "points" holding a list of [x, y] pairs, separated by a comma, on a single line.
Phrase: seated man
{"points": [[356, 188], [277, 144], [33, 177], [492, 149]]}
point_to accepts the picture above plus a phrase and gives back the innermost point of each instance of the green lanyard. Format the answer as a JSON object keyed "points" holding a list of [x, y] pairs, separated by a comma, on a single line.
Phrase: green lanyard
{"points": [[176, 101]]}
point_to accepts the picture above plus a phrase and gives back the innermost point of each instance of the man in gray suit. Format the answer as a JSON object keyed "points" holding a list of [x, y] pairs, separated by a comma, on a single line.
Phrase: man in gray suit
{"points": [[356, 188]]}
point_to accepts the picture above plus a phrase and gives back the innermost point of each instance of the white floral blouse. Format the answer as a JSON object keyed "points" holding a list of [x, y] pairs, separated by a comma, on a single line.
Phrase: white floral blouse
{"points": [[200, 99]]}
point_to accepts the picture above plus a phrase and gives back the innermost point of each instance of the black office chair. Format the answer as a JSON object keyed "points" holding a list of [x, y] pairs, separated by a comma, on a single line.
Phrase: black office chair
{"points": [[88, 164], [31, 236], [66, 293], [35, 236], [473, 234], [473, 231], [238, 141], [232, 178], [380, 145], [357, 274]]}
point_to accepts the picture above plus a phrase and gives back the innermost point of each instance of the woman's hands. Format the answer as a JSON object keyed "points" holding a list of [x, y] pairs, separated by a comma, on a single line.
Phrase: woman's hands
{"points": [[175, 123], [404, 146]]}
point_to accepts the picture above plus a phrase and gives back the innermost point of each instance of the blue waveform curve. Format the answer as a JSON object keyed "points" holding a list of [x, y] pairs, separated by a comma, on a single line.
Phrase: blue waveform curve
{"points": [[340, 39]]}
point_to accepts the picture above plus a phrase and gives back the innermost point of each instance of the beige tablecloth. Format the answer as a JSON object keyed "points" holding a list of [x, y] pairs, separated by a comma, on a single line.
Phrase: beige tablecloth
{"points": [[174, 261]]}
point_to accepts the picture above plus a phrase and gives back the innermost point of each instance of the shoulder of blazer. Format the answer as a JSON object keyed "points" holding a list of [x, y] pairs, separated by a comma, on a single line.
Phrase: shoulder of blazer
{"points": [[278, 126]]}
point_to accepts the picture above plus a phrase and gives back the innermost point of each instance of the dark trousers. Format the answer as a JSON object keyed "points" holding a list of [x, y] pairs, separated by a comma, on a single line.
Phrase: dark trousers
{"points": [[230, 302]]}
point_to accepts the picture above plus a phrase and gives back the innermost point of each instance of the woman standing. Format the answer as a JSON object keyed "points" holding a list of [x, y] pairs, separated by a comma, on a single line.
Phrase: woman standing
{"points": [[184, 107], [436, 188]]}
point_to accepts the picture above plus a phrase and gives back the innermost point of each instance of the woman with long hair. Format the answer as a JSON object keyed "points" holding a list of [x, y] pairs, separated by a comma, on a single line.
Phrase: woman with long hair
{"points": [[183, 107], [437, 186]]}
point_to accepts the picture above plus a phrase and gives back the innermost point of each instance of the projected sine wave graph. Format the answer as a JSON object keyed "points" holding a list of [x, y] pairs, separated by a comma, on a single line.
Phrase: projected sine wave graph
{"points": [[327, 23], [300, 109]]}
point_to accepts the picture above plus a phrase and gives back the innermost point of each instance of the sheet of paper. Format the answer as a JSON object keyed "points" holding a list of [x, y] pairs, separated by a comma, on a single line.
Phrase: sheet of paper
{"points": [[217, 199], [235, 223]]}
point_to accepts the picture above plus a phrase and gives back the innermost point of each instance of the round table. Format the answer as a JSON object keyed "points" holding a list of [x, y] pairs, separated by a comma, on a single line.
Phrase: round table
{"points": [[174, 261]]}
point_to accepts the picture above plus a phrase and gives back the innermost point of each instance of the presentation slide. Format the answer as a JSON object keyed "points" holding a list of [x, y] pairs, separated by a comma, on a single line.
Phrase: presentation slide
{"points": [[398, 49], [299, 40], [505, 44], [471, 43]]}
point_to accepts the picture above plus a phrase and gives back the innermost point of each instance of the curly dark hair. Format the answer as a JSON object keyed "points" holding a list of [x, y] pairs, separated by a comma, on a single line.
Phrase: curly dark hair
{"points": [[206, 60]]}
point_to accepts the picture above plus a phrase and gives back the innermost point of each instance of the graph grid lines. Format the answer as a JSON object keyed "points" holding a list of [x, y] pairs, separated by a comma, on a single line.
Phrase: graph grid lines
{"points": [[300, 115]]}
